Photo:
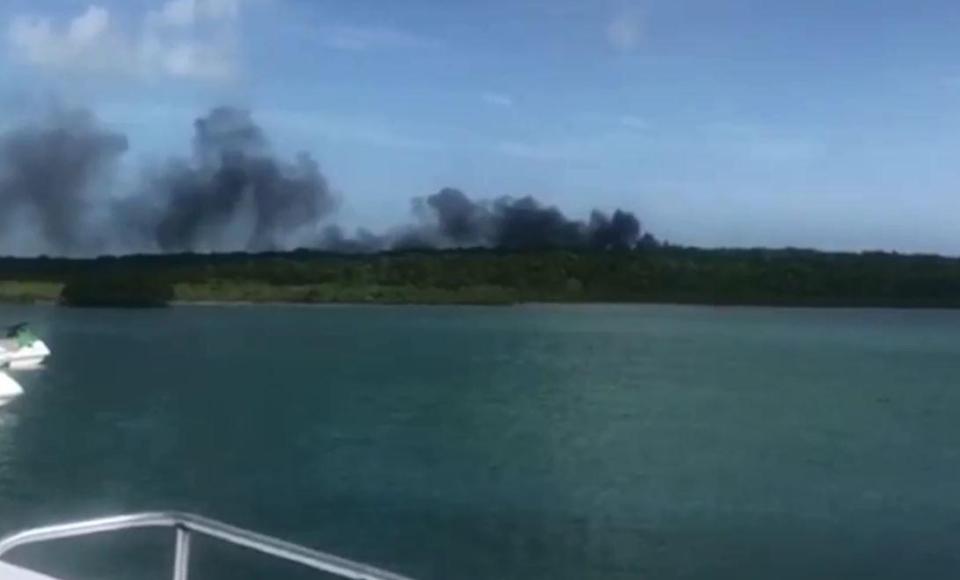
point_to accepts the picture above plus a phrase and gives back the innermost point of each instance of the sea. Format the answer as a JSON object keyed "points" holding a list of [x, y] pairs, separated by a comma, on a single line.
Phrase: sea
{"points": [[551, 442]]}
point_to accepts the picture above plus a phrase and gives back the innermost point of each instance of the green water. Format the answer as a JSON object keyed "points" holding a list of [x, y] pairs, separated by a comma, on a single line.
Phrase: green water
{"points": [[606, 442]]}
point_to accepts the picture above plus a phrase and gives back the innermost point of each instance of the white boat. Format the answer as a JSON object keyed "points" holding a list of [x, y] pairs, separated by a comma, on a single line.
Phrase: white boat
{"points": [[21, 349], [9, 388], [185, 526]]}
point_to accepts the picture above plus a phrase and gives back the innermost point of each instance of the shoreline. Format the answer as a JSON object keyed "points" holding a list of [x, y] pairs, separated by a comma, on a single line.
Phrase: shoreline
{"points": [[549, 304], [665, 275], [516, 305]]}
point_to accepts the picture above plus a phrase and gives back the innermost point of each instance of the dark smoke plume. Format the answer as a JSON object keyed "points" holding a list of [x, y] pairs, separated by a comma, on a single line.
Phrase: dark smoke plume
{"points": [[451, 219], [232, 193], [234, 178], [333, 239], [459, 220], [49, 172]]}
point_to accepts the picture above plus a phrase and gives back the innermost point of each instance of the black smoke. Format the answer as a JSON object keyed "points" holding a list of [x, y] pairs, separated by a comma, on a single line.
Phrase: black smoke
{"points": [[333, 239], [233, 178], [451, 219], [459, 220], [50, 172], [621, 231], [59, 183]]}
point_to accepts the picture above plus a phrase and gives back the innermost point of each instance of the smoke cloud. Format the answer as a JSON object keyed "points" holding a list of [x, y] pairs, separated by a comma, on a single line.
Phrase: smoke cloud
{"points": [[232, 193], [234, 180], [49, 175], [451, 219]]}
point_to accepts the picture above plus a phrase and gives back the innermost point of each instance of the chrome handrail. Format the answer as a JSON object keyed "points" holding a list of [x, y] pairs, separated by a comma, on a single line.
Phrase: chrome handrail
{"points": [[185, 524]]}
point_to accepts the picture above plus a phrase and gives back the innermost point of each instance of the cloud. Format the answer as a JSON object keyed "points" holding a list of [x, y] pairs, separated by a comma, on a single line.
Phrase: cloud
{"points": [[190, 39], [87, 39], [625, 30], [497, 99], [180, 13], [360, 38]]}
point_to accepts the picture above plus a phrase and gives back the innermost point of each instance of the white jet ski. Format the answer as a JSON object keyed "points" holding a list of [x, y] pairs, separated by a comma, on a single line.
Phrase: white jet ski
{"points": [[9, 388], [22, 349]]}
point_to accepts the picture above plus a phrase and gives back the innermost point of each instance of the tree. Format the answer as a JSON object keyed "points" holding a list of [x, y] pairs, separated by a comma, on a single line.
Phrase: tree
{"points": [[118, 290]]}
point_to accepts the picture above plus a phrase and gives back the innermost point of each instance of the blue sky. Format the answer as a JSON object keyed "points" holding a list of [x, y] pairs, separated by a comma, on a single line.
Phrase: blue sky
{"points": [[719, 122]]}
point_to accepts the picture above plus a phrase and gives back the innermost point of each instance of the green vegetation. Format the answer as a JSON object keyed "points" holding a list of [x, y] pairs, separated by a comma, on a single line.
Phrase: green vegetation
{"points": [[649, 274], [242, 291], [29, 291], [116, 290]]}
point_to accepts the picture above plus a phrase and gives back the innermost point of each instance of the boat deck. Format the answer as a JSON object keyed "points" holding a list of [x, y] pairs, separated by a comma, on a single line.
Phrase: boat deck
{"points": [[11, 572], [185, 527]]}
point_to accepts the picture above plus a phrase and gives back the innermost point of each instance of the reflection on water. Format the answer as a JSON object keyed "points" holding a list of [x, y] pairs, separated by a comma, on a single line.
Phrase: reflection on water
{"points": [[8, 426]]}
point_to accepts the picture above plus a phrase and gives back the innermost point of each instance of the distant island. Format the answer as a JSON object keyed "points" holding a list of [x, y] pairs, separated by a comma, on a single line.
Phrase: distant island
{"points": [[658, 274]]}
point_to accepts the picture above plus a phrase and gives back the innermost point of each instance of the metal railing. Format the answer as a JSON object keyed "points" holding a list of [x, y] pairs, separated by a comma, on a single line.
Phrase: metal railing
{"points": [[186, 525]]}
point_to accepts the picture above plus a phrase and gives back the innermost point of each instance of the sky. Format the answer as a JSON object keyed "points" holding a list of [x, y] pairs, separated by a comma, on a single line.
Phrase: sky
{"points": [[818, 123]]}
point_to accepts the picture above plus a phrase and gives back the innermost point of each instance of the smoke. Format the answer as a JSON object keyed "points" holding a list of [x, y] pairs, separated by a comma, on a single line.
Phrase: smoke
{"points": [[233, 193], [459, 220], [619, 232], [50, 172], [333, 239], [451, 219]]}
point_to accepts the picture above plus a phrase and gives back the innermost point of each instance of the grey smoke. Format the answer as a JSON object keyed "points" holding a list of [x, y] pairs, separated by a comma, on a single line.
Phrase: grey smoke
{"points": [[233, 173], [620, 231], [50, 172], [232, 193], [333, 239], [458, 219], [452, 219]]}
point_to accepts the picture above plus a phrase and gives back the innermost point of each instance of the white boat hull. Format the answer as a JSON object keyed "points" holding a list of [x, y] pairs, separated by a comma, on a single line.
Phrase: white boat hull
{"points": [[11, 572], [27, 357], [9, 388]]}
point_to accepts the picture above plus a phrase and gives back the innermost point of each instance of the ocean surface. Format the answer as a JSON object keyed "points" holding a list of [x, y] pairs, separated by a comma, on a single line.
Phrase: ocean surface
{"points": [[553, 442]]}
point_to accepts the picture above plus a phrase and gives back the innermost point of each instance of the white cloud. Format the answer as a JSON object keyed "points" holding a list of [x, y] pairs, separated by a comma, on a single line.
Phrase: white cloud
{"points": [[87, 38], [625, 30], [175, 13], [189, 12], [497, 99], [194, 39], [359, 38], [89, 26]]}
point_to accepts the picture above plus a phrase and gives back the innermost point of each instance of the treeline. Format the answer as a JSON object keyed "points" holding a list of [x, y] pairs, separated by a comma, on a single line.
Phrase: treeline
{"points": [[117, 290], [648, 274]]}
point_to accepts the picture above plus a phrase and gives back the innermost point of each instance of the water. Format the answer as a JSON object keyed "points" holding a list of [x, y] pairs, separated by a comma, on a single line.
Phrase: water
{"points": [[605, 442]]}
